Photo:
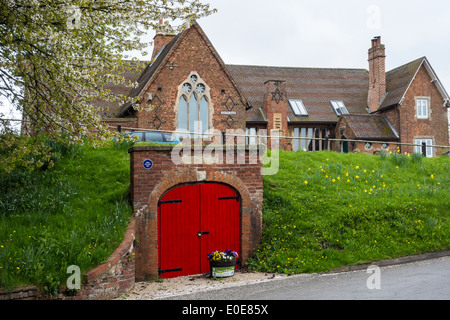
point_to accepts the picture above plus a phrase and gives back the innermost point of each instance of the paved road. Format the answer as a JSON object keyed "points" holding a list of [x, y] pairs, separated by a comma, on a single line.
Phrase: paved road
{"points": [[424, 280]]}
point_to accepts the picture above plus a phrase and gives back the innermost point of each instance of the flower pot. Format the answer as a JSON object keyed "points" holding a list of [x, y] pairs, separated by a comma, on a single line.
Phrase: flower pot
{"points": [[222, 269]]}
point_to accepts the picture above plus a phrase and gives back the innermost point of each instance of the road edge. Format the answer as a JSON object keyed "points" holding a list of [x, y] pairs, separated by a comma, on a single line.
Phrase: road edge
{"points": [[391, 262]]}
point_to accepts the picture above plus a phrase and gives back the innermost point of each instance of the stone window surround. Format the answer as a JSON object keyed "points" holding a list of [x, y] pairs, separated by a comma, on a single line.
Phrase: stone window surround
{"points": [[199, 96], [428, 117]]}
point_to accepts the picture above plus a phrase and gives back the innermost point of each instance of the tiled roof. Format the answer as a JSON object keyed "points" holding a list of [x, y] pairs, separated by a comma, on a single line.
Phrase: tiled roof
{"points": [[371, 127], [398, 80], [316, 87], [149, 71], [130, 74]]}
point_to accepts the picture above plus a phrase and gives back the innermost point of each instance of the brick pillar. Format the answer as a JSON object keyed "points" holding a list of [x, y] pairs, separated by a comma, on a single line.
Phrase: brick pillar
{"points": [[377, 74], [275, 107]]}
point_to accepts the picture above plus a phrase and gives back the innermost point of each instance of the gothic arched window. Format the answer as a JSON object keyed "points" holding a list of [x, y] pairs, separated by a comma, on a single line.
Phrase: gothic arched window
{"points": [[194, 105]]}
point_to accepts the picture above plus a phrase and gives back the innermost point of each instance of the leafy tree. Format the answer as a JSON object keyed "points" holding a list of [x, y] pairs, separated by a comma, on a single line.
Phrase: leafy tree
{"points": [[56, 56]]}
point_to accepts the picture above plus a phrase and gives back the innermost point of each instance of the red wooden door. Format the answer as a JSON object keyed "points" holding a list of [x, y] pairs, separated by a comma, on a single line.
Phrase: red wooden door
{"points": [[193, 221], [220, 215]]}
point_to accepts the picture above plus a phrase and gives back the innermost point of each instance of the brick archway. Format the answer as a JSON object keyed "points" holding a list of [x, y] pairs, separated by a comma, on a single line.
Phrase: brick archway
{"points": [[179, 179], [148, 186]]}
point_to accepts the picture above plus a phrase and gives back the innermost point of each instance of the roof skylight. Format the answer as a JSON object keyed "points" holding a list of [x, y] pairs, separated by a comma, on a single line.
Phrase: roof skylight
{"points": [[298, 107], [339, 107]]}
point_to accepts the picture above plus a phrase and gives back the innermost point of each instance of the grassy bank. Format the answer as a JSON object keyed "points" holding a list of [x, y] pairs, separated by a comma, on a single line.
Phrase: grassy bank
{"points": [[324, 210], [73, 214]]}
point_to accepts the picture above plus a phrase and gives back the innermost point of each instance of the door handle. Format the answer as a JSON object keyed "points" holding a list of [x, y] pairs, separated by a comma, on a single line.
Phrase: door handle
{"points": [[200, 233]]}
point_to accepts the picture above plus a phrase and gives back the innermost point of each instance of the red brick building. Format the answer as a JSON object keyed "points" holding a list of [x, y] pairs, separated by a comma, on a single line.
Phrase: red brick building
{"points": [[187, 85]]}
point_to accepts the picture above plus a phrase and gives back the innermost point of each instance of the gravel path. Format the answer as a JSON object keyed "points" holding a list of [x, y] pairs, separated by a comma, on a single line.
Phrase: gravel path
{"points": [[164, 288]]}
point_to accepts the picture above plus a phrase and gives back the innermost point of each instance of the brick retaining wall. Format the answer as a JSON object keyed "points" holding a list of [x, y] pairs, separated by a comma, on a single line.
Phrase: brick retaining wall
{"points": [[148, 186]]}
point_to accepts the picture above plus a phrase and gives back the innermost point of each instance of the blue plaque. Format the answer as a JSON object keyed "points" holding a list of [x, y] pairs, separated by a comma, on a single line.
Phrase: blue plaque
{"points": [[148, 164]]}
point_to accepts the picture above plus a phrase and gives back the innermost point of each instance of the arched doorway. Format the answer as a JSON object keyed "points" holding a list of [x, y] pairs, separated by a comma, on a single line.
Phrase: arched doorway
{"points": [[194, 220]]}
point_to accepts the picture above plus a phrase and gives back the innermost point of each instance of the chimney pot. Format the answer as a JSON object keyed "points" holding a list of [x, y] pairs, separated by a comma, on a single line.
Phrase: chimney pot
{"points": [[376, 41]]}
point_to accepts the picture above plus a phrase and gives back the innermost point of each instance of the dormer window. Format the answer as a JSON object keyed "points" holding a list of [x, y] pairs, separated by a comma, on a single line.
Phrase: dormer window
{"points": [[298, 107], [339, 107]]}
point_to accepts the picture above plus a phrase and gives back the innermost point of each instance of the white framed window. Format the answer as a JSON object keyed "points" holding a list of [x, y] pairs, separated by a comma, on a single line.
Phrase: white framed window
{"points": [[250, 136], [339, 107], [428, 142], [305, 141], [296, 141], [298, 107], [422, 108]]}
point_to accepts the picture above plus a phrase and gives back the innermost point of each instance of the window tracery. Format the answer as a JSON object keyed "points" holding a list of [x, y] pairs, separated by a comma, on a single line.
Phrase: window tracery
{"points": [[193, 105]]}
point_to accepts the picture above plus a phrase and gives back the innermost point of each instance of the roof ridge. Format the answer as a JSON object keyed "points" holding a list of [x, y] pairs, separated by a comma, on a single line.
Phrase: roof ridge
{"points": [[408, 63], [289, 67]]}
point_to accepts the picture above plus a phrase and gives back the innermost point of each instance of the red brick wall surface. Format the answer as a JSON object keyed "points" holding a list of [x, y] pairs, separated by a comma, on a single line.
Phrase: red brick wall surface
{"points": [[436, 126]]}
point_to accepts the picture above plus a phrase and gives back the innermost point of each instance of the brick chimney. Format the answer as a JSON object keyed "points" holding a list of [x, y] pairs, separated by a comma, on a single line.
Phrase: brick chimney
{"points": [[377, 74], [159, 41], [275, 106]]}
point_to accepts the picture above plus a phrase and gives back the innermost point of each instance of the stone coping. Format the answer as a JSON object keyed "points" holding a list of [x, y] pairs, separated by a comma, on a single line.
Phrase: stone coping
{"points": [[155, 147]]}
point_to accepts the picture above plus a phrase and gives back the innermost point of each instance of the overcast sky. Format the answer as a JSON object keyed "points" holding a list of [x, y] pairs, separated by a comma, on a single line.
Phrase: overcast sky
{"points": [[330, 33]]}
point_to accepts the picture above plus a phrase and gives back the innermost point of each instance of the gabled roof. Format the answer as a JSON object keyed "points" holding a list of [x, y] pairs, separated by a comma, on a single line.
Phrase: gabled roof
{"points": [[399, 80], [149, 72], [130, 74], [152, 69], [316, 87], [371, 127]]}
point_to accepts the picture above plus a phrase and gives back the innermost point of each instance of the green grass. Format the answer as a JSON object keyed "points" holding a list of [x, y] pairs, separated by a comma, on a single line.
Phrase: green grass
{"points": [[325, 210], [73, 214], [322, 210]]}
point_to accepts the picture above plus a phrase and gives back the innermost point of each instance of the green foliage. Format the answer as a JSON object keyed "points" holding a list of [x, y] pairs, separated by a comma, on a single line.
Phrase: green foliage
{"points": [[325, 210], [75, 213], [58, 57]]}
